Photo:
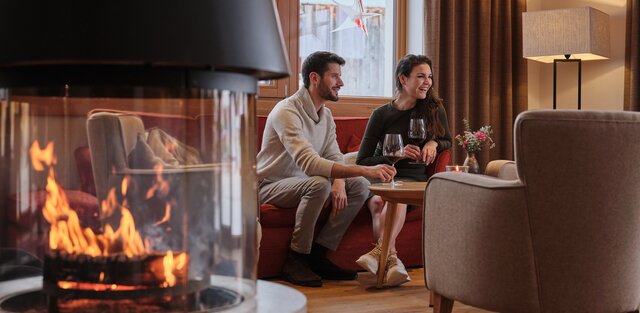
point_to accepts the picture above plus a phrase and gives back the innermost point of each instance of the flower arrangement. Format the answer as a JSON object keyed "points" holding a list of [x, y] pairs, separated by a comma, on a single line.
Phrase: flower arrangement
{"points": [[472, 141]]}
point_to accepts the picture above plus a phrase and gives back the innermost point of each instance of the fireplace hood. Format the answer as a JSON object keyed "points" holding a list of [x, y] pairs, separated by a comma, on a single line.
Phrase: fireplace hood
{"points": [[66, 39]]}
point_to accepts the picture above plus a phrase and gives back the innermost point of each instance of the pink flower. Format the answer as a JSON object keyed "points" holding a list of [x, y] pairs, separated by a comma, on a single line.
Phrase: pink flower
{"points": [[472, 141]]}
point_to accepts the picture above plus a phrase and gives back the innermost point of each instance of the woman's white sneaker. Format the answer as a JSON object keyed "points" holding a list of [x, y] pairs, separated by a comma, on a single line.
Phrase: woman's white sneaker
{"points": [[369, 260], [396, 274]]}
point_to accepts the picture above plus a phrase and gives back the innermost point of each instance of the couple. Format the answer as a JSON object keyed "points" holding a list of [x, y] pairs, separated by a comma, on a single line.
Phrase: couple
{"points": [[300, 164]]}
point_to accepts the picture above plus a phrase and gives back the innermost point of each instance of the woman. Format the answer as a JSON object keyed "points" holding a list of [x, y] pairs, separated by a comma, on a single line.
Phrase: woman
{"points": [[415, 98]]}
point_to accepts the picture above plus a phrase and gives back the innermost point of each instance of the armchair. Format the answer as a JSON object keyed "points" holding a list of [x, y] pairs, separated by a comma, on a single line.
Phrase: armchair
{"points": [[560, 235]]}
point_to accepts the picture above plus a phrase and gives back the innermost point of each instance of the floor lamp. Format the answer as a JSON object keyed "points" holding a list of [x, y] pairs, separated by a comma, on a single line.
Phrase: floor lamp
{"points": [[565, 35]]}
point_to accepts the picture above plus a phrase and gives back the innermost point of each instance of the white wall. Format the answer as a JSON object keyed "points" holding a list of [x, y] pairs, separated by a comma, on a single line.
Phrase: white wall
{"points": [[602, 81]]}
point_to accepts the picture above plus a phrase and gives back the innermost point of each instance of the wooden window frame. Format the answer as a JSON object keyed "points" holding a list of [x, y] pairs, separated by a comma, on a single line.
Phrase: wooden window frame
{"points": [[274, 91]]}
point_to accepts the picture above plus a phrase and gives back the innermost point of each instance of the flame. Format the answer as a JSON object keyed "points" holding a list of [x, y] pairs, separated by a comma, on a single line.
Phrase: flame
{"points": [[67, 235], [170, 265], [161, 186], [125, 184], [109, 204], [167, 262], [39, 156]]}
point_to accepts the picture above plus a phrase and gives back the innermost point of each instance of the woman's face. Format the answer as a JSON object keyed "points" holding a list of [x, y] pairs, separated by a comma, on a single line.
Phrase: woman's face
{"points": [[417, 84]]}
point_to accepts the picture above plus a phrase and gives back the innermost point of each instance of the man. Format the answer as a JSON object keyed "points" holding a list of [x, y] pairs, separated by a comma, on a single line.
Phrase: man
{"points": [[300, 165]]}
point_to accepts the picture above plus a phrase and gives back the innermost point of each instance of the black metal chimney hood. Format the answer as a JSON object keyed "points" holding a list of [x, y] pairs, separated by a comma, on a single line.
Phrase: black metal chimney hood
{"points": [[143, 42]]}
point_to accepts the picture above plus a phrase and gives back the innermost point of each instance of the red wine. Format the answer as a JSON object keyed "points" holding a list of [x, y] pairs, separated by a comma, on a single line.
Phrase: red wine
{"points": [[416, 141], [394, 158]]}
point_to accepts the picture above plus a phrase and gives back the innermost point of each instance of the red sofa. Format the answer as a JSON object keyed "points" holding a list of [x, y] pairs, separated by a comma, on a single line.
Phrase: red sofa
{"points": [[27, 230], [277, 223]]}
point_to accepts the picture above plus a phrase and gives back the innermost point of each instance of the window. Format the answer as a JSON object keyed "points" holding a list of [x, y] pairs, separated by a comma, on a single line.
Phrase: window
{"points": [[367, 49], [312, 25]]}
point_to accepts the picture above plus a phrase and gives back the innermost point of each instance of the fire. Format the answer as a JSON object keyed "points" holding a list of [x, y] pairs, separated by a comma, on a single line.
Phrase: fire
{"points": [[161, 186], [68, 236], [170, 263]]}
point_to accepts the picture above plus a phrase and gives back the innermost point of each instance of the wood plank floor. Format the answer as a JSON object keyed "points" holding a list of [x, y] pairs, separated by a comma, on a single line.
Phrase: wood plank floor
{"points": [[361, 296]]}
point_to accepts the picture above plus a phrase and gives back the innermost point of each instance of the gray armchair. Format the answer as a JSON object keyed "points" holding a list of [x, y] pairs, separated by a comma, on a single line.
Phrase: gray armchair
{"points": [[560, 235]]}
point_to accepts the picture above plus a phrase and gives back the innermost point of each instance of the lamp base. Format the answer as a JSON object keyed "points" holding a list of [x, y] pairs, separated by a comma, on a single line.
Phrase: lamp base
{"points": [[567, 60]]}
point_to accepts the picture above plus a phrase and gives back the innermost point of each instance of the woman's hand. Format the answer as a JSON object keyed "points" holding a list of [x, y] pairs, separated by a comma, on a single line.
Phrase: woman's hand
{"points": [[429, 152], [412, 152]]}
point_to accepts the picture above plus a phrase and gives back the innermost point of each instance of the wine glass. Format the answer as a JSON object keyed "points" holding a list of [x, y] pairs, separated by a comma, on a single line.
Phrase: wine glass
{"points": [[417, 134], [393, 149]]}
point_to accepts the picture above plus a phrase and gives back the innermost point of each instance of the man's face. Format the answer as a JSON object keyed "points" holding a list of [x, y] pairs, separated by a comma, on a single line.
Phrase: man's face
{"points": [[330, 83]]}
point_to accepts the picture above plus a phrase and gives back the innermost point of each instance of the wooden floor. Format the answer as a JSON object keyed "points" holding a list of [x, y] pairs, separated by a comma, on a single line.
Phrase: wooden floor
{"points": [[361, 296]]}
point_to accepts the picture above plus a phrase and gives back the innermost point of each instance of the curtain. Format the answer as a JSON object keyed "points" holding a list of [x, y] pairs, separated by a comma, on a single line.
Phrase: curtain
{"points": [[479, 71], [632, 78]]}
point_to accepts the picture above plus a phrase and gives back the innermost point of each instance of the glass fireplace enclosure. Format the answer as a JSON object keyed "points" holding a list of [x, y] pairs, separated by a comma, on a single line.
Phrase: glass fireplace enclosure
{"points": [[143, 194], [127, 153]]}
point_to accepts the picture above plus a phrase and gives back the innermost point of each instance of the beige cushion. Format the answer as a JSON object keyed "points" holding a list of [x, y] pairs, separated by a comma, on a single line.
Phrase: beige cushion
{"points": [[144, 157], [161, 148], [350, 158], [171, 150]]}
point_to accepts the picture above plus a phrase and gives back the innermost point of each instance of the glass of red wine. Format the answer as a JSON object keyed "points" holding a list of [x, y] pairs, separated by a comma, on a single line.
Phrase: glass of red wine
{"points": [[393, 149], [417, 135]]}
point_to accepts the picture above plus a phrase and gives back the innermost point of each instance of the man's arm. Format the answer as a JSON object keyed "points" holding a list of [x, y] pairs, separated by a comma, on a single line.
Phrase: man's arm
{"points": [[383, 172]]}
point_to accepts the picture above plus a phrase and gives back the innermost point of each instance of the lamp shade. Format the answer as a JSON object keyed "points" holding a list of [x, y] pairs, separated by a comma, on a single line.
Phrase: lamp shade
{"points": [[582, 33]]}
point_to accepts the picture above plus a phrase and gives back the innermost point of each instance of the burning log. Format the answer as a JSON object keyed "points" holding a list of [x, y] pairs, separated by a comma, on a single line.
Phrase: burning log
{"points": [[114, 272]]}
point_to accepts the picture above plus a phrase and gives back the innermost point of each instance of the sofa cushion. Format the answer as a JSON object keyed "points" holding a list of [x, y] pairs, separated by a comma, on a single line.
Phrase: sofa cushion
{"points": [[346, 127], [144, 157], [354, 144], [170, 149]]}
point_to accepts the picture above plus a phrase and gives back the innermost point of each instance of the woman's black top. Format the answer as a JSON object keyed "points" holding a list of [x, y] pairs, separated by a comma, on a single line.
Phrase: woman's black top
{"points": [[389, 120]]}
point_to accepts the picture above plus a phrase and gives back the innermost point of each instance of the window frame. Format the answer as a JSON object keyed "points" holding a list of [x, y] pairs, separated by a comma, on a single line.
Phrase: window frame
{"points": [[269, 94]]}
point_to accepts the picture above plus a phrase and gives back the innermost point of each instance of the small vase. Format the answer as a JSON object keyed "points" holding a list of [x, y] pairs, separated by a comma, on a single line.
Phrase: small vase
{"points": [[472, 163]]}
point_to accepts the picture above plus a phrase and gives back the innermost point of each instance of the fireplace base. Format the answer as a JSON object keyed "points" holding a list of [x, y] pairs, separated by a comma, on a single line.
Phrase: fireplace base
{"points": [[26, 295]]}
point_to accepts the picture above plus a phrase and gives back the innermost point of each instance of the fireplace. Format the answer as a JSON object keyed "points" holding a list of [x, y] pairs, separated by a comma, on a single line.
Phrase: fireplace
{"points": [[127, 150]]}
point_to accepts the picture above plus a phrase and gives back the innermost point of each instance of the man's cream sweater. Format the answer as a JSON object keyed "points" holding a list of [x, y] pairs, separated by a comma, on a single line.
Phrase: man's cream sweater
{"points": [[298, 141]]}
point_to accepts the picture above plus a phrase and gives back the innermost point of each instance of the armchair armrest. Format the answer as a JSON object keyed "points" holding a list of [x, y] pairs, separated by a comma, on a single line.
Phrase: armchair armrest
{"points": [[181, 169], [439, 164], [504, 169], [479, 220]]}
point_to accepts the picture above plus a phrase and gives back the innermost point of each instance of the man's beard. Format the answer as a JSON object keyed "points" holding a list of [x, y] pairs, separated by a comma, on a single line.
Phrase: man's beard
{"points": [[325, 93]]}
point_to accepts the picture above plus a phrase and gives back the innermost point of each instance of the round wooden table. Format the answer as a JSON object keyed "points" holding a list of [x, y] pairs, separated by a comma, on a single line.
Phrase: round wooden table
{"points": [[406, 192]]}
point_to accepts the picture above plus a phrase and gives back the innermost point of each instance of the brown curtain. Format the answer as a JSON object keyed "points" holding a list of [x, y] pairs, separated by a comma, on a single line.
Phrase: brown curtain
{"points": [[479, 71], [632, 78]]}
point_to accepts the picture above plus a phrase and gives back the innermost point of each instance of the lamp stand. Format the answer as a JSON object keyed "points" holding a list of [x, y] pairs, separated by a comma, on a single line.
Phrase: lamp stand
{"points": [[566, 60]]}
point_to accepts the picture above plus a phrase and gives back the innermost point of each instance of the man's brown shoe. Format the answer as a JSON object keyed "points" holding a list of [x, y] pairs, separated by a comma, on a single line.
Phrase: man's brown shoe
{"points": [[296, 271], [327, 270]]}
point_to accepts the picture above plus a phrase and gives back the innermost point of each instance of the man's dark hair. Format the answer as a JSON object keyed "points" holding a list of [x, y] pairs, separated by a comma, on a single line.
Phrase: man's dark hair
{"points": [[318, 62]]}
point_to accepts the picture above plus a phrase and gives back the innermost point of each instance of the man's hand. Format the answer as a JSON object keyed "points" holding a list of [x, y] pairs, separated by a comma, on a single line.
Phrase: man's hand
{"points": [[338, 196], [383, 172], [412, 152], [429, 152]]}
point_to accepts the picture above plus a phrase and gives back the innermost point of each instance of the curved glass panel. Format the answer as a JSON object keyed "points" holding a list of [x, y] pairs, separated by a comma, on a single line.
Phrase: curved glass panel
{"points": [[129, 196]]}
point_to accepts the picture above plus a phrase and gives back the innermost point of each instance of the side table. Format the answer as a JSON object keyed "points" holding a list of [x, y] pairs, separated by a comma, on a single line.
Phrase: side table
{"points": [[407, 192]]}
